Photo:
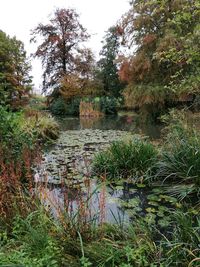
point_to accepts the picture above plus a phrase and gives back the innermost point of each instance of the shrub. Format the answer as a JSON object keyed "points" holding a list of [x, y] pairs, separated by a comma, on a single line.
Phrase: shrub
{"points": [[12, 138], [122, 159], [108, 105], [88, 109], [60, 107]]}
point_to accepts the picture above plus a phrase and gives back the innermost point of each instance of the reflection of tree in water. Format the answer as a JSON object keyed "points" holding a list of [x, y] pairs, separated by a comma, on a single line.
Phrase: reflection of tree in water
{"points": [[88, 122], [125, 122]]}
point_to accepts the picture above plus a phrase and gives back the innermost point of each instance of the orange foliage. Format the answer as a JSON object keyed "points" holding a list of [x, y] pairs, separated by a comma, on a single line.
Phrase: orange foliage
{"points": [[88, 109], [124, 72], [136, 69], [149, 39]]}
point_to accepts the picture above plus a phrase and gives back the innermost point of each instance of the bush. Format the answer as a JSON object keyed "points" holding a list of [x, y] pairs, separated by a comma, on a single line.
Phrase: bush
{"points": [[105, 104], [60, 107], [132, 159], [12, 138], [108, 105]]}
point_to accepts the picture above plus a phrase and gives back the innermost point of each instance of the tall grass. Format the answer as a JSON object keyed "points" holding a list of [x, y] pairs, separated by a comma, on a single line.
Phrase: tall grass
{"points": [[179, 163], [126, 159], [89, 109], [181, 248], [38, 240], [39, 125]]}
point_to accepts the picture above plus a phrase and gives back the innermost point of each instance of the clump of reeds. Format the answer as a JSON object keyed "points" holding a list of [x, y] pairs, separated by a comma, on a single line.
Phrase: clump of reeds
{"points": [[179, 165], [88, 109], [15, 179], [126, 159]]}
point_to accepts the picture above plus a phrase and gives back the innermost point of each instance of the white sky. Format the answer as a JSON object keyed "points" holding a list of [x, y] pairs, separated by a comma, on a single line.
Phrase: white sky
{"points": [[18, 17]]}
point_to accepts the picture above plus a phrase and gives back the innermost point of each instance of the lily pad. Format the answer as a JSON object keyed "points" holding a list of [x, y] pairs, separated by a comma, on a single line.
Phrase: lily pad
{"points": [[141, 185], [132, 203], [153, 203], [119, 187], [153, 197], [150, 210], [163, 222], [157, 190], [132, 190]]}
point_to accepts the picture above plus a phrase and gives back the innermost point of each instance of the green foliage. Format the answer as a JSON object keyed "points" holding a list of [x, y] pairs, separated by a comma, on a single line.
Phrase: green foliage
{"points": [[38, 241], [108, 105], [18, 132], [108, 71], [166, 59], [179, 163], [182, 249], [36, 247], [12, 138], [105, 104], [60, 107], [14, 69], [40, 126], [132, 159]]}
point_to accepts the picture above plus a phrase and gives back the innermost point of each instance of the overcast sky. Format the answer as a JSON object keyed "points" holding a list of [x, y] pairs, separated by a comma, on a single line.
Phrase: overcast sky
{"points": [[18, 17]]}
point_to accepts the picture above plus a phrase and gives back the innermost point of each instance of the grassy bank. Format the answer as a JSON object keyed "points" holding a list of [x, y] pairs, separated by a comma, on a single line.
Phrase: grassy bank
{"points": [[38, 240]]}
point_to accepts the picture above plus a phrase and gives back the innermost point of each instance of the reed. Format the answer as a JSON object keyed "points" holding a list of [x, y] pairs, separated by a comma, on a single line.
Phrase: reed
{"points": [[88, 109], [132, 159]]}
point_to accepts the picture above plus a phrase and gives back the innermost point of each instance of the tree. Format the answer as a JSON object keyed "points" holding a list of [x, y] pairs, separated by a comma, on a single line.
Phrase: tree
{"points": [[60, 47], [108, 70], [79, 82], [15, 79], [165, 65]]}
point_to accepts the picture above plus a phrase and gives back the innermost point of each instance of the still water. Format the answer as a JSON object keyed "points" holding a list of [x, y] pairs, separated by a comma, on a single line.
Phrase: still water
{"points": [[64, 177], [125, 121]]}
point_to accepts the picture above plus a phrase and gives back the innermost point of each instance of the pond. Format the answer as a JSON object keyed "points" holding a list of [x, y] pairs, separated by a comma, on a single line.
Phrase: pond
{"points": [[124, 121], [64, 176]]}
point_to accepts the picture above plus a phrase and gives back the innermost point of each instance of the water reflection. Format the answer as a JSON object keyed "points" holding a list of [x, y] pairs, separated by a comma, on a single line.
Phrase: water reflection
{"points": [[124, 122], [92, 203]]}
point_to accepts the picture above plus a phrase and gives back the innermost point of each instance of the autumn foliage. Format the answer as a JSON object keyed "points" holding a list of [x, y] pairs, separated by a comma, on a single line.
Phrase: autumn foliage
{"points": [[61, 49], [164, 39]]}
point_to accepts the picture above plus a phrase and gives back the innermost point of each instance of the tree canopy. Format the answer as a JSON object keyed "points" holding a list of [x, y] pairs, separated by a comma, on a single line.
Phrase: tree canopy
{"points": [[108, 70], [61, 50], [15, 79], [165, 64]]}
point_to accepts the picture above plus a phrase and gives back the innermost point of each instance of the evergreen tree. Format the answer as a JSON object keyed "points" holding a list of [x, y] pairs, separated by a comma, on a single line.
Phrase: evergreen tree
{"points": [[108, 70]]}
